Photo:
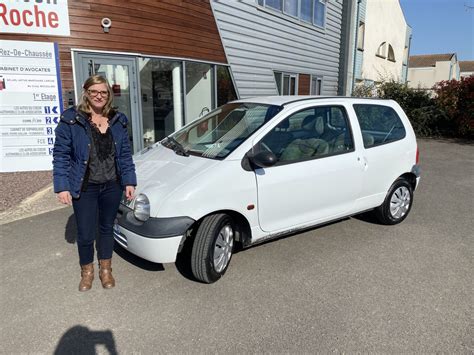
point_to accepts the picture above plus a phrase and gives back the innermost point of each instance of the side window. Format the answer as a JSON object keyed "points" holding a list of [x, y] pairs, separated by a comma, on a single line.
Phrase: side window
{"points": [[379, 124], [309, 134]]}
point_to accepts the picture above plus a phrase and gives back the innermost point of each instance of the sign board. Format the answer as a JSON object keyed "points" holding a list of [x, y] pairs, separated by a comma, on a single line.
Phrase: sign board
{"points": [[30, 104], [45, 17]]}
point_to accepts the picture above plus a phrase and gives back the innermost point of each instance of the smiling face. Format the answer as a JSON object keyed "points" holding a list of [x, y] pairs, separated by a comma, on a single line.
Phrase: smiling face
{"points": [[98, 96]]}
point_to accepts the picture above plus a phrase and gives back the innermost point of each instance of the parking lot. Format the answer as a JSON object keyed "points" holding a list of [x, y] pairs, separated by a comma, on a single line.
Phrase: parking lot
{"points": [[351, 286]]}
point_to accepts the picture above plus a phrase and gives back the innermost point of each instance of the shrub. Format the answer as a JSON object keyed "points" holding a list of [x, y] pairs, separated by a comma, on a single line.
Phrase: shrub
{"points": [[456, 98]]}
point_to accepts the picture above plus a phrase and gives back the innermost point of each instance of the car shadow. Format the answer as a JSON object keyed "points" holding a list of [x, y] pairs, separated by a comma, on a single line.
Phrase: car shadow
{"points": [[367, 217], [183, 260], [289, 235], [137, 261], [70, 235]]}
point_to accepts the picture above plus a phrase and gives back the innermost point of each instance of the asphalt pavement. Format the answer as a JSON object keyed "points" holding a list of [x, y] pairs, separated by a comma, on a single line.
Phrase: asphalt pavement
{"points": [[351, 286]]}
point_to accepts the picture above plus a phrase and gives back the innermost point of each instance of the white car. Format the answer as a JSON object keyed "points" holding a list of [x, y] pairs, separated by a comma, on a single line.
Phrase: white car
{"points": [[261, 168]]}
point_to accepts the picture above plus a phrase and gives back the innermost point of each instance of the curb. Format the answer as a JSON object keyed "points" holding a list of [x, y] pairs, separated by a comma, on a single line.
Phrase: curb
{"points": [[40, 202]]}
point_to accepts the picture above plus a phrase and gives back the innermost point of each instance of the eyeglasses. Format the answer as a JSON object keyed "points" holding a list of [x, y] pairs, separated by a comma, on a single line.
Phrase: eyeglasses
{"points": [[95, 93]]}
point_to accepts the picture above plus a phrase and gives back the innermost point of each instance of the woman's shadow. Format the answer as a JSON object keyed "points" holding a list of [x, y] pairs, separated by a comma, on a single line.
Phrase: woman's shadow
{"points": [[70, 235], [81, 340]]}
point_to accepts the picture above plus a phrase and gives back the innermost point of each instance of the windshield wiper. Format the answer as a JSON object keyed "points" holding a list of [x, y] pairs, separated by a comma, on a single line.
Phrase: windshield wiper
{"points": [[176, 146]]}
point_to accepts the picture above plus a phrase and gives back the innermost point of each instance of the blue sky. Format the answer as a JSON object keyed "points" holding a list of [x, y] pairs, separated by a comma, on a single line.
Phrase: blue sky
{"points": [[441, 26]]}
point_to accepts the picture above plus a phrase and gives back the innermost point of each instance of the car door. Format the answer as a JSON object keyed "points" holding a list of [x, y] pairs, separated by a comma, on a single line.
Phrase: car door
{"points": [[385, 152], [317, 176]]}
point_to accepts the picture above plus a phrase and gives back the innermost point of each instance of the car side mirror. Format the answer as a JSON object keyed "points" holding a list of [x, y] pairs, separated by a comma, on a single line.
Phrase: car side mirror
{"points": [[263, 159]]}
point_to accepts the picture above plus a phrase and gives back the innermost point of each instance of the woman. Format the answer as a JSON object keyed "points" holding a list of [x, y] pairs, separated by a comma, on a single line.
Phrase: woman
{"points": [[92, 165]]}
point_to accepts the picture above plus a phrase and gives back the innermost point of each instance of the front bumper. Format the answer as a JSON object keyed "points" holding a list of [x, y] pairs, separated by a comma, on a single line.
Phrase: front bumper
{"points": [[156, 240]]}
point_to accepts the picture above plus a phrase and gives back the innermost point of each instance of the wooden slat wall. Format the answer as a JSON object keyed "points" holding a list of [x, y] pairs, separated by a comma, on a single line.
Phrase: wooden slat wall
{"points": [[303, 84], [175, 28]]}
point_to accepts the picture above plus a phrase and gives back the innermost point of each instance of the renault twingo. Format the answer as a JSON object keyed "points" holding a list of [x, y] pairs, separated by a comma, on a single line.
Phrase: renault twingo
{"points": [[261, 168]]}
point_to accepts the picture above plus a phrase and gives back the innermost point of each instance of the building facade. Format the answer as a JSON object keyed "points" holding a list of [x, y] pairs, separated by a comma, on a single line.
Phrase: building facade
{"points": [[424, 71], [381, 42], [466, 68], [169, 62]]}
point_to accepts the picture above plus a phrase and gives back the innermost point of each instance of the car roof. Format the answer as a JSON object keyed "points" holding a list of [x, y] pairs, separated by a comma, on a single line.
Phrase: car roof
{"points": [[289, 99]]}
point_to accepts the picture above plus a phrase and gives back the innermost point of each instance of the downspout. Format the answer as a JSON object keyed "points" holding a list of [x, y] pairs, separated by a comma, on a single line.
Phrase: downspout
{"points": [[355, 46]]}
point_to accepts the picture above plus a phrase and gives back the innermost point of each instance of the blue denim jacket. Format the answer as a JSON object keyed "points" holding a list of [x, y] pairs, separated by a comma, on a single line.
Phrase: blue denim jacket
{"points": [[72, 149]]}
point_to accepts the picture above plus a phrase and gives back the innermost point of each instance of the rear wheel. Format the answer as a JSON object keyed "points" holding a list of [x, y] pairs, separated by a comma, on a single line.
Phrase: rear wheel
{"points": [[212, 248], [397, 204]]}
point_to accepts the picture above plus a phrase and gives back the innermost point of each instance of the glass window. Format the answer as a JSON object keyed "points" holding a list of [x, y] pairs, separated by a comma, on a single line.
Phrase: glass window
{"points": [[391, 53], [218, 133], [225, 87], [290, 7], [286, 83], [310, 11], [275, 4], [278, 81], [199, 90], [293, 85], [379, 124], [316, 85], [381, 50], [312, 133], [306, 13], [319, 12], [361, 35], [161, 98]]}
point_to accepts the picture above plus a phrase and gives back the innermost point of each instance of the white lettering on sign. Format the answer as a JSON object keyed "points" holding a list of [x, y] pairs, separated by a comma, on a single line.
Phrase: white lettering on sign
{"points": [[35, 17]]}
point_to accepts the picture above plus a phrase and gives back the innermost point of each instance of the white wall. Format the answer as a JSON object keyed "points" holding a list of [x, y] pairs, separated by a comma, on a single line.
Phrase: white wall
{"points": [[426, 78], [384, 22]]}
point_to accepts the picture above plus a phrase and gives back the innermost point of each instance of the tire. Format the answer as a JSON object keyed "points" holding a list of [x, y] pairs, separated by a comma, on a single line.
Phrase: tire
{"points": [[397, 203], [212, 248]]}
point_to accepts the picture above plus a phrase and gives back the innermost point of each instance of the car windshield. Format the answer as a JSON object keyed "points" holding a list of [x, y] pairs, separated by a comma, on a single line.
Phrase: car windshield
{"points": [[218, 133]]}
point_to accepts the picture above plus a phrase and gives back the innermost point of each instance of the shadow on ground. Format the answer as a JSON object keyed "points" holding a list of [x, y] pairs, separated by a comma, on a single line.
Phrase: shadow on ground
{"points": [[81, 340]]}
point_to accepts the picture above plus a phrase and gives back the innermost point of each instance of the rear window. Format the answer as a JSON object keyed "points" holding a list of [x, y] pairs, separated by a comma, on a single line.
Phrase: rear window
{"points": [[379, 124]]}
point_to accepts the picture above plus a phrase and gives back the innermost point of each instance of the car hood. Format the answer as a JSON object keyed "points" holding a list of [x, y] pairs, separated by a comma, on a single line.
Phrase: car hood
{"points": [[160, 171]]}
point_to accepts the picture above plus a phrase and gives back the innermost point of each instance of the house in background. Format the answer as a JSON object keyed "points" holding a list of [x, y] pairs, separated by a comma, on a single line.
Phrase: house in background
{"points": [[424, 71], [466, 68], [381, 43]]}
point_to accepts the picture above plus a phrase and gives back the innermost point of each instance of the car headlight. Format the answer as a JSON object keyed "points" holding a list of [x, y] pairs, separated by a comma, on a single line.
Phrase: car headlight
{"points": [[141, 210]]}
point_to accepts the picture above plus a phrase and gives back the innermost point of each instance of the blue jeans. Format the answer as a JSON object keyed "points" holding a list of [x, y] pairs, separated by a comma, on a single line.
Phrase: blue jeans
{"points": [[102, 200]]}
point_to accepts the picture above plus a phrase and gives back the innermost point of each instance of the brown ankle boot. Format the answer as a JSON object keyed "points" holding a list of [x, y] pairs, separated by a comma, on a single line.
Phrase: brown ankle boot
{"points": [[105, 273], [87, 276]]}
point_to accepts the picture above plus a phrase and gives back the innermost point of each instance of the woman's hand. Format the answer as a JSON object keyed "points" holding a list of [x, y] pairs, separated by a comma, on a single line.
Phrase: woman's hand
{"points": [[65, 197], [129, 192]]}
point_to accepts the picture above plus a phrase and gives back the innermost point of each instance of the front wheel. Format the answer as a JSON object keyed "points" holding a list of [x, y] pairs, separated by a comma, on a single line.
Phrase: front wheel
{"points": [[212, 248], [397, 204]]}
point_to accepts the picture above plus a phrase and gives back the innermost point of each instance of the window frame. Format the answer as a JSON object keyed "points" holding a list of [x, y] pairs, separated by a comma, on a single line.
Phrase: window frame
{"points": [[328, 155], [298, 17], [318, 79], [290, 76]]}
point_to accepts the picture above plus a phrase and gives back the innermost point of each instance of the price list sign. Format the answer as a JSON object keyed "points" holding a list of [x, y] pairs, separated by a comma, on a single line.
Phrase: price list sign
{"points": [[30, 104]]}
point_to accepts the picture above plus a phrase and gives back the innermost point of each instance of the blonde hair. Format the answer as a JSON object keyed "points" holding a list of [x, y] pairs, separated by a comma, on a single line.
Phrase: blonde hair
{"points": [[84, 103]]}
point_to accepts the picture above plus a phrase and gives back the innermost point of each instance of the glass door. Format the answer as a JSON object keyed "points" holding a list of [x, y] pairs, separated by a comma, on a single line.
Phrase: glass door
{"points": [[121, 73]]}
